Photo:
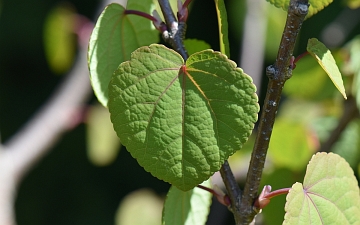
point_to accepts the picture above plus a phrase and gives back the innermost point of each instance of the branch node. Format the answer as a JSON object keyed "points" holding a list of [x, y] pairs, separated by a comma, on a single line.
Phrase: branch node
{"points": [[301, 9]]}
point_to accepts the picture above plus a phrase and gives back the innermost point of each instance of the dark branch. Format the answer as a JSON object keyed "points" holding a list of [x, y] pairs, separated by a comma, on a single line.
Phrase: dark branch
{"points": [[278, 74], [232, 188], [175, 33]]}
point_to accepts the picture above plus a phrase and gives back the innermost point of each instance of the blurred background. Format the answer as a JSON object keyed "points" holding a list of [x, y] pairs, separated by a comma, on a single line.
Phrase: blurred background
{"points": [[87, 177]]}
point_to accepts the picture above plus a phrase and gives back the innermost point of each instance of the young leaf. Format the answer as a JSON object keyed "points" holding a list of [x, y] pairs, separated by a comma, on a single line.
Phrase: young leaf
{"points": [[330, 194], [187, 208], [113, 39], [181, 122], [315, 5], [324, 57], [223, 27]]}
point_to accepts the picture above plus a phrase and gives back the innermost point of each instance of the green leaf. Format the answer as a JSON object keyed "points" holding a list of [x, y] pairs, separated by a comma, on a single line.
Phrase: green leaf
{"points": [[324, 57], [181, 122], [59, 38], [353, 48], [308, 71], [353, 4], [193, 45], [223, 27], [315, 5], [141, 207], [187, 208], [102, 143], [113, 39], [330, 194], [287, 143]]}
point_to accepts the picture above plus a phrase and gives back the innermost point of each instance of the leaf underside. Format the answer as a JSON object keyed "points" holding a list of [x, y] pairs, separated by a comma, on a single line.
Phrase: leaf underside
{"points": [[181, 122], [325, 59], [330, 194], [114, 37], [187, 208], [315, 5]]}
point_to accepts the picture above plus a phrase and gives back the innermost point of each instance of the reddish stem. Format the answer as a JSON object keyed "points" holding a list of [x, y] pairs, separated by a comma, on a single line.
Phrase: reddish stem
{"points": [[207, 189], [299, 57], [277, 193], [220, 196], [186, 3], [142, 14]]}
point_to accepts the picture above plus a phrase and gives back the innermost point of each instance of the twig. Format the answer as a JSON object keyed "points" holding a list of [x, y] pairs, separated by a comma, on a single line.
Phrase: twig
{"points": [[176, 30], [278, 74], [350, 112], [232, 188]]}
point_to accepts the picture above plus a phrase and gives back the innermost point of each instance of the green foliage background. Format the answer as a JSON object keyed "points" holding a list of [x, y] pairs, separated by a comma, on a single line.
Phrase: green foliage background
{"points": [[65, 187]]}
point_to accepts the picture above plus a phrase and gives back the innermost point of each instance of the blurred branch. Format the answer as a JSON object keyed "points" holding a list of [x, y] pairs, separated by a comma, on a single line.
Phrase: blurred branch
{"points": [[35, 139], [253, 44]]}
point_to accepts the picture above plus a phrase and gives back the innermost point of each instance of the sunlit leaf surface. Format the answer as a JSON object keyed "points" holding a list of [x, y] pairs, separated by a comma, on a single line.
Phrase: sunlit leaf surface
{"points": [[181, 122], [329, 195], [324, 57]]}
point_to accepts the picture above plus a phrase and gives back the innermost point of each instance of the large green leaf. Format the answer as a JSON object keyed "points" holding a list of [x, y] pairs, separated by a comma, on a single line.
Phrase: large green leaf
{"points": [[324, 57], [330, 194], [181, 122], [223, 27], [315, 5], [187, 208], [113, 39]]}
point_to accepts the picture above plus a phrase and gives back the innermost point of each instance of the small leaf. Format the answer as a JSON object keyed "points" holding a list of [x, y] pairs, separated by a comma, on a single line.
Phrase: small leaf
{"points": [[102, 142], [308, 71], [59, 37], [353, 48], [187, 208], [181, 122], [353, 4], [330, 194], [315, 5], [141, 207], [324, 57], [113, 39], [223, 27]]}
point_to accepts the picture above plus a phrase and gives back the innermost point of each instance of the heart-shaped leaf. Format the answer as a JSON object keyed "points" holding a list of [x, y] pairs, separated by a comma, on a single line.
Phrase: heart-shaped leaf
{"points": [[113, 39], [315, 5], [181, 122], [187, 208], [324, 57], [330, 194]]}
